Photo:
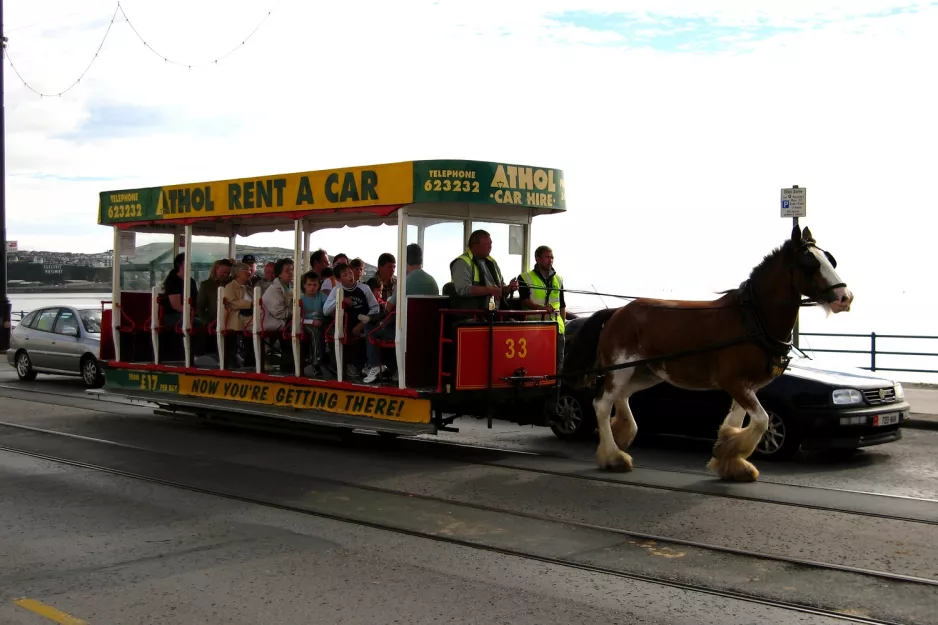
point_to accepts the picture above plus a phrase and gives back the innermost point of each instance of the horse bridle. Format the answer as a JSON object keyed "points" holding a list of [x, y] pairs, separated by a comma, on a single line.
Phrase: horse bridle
{"points": [[752, 319], [809, 264]]}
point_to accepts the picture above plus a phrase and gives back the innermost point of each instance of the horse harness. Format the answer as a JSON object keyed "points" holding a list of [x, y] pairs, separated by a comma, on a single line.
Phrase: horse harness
{"points": [[777, 350]]}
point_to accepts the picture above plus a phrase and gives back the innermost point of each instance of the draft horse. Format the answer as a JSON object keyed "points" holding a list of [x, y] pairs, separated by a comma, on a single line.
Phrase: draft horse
{"points": [[737, 343]]}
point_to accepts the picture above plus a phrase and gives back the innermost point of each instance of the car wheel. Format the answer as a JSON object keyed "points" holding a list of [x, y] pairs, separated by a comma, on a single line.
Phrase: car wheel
{"points": [[781, 440], [574, 419], [24, 367], [91, 372]]}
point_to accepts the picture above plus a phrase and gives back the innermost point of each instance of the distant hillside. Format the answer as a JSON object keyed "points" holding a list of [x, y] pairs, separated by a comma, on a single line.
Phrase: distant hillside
{"points": [[206, 252]]}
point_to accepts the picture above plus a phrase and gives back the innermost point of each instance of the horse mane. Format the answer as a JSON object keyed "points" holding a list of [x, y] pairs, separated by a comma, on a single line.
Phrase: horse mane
{"points": [[764, 264]]}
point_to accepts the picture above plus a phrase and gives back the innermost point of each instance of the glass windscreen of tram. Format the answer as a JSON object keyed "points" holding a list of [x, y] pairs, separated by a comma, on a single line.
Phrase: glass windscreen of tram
{"points": [[145, 260], [444, 241]]}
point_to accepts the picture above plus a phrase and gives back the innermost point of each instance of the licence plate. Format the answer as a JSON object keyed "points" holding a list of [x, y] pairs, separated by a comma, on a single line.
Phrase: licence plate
{"points": [[885, 419]]}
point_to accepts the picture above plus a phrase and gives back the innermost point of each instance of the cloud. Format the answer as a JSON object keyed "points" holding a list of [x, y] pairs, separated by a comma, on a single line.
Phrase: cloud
{"points": [[674, 156]]}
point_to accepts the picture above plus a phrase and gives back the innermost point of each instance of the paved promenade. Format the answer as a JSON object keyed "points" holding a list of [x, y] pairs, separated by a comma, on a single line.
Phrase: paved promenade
{"points": [[924, 403]]}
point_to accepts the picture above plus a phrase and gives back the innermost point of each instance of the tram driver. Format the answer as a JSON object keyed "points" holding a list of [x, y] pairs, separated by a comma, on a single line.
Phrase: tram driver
{"points": [[477, 278]]}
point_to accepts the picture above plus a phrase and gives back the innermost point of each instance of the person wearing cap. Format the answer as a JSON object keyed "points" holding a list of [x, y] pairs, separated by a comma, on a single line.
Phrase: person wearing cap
{"points": [[251, 262]]}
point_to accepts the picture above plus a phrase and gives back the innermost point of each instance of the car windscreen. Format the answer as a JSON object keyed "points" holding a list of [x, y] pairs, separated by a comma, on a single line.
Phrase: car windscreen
{"points": [[91, 319]]}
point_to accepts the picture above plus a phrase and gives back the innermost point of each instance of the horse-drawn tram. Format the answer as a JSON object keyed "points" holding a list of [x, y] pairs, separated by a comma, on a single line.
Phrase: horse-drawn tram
{"points": [[443, 359]]}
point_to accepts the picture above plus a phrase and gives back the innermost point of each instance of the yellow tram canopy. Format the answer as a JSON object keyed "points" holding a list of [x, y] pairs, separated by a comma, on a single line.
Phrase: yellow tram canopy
{"points": [[375, 190]]}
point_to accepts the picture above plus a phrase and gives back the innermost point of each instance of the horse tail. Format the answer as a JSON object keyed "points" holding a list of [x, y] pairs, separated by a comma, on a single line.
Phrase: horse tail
{"points": [[584, 347]]}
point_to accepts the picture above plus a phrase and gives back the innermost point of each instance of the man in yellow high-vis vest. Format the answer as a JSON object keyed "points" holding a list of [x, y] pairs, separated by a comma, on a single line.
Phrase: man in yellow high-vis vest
{"points": [[541, 288], [477, 278]]}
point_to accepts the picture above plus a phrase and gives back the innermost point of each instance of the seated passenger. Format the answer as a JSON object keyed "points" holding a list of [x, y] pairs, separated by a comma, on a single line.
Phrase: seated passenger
{"points": [[173, 305], [239, 351], [312, 303], [324, 275], [206, 307], [384, 276], [419, 282], [358, 268], [358, 301], [278, 298], [327, 283], [270, 274], [277, 301], [318, 262]]}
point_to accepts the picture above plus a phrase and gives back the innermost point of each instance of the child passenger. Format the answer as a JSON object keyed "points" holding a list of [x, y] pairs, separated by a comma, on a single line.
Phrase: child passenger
{"points": [[312, 303]]}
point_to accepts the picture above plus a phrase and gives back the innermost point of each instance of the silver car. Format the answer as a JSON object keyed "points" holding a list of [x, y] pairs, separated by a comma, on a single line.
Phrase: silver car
{"points": [[61, 340]]}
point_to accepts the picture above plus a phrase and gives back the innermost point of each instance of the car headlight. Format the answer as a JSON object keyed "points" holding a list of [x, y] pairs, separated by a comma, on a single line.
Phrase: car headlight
{"points": [[900, 394], [846, 396]]}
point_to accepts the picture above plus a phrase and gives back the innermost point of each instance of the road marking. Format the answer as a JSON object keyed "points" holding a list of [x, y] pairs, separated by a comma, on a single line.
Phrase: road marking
{"points": [[49, 612]]}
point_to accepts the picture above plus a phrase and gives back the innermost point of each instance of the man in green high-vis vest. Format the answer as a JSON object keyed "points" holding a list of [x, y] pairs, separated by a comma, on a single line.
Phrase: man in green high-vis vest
{"points": [[541, 288]]}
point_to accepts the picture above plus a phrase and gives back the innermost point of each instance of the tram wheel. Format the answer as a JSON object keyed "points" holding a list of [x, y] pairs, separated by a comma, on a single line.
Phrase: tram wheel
{"points": [[574, 419]]}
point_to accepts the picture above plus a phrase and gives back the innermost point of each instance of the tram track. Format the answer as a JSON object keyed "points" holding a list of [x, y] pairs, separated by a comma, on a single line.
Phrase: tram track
{"points": [[566, 561], [641, 539], [529, 515], [534, 462]]}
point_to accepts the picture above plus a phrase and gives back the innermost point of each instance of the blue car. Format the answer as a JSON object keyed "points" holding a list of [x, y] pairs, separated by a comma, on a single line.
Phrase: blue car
{"points": [[810, 408]]}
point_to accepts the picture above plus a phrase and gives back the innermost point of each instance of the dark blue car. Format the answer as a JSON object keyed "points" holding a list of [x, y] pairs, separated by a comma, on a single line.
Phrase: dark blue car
{"points": [[810, 407]]}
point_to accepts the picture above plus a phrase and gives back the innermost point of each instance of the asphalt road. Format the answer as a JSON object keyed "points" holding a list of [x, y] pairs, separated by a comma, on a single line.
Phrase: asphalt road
{"points": [[108, 548]]}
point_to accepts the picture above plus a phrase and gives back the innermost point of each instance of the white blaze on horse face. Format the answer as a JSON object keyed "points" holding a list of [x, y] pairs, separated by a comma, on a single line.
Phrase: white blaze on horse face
{"points": [[842, 295]]}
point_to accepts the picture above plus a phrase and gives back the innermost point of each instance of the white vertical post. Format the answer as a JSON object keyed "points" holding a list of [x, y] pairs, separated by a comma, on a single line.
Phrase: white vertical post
{"points": [[220, 327], [306, 242], [116, 294], [339, 332], [256, 328], [186, 294], [233, 245], [297, 308], [466, 231], [526, 252], [400, 319], [421, 235], [154, 320]]}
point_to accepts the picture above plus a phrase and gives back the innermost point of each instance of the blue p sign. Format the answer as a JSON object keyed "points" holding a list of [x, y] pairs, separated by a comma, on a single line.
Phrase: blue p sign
{"points": [[786, 204]]}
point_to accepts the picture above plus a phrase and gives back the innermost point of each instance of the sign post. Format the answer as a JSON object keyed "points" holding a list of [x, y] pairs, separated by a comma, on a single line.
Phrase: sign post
{"points": [[5, 305], [794, 203]]}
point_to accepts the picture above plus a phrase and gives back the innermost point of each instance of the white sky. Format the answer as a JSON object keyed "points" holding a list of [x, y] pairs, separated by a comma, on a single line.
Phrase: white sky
{"points": [[673, 157]]}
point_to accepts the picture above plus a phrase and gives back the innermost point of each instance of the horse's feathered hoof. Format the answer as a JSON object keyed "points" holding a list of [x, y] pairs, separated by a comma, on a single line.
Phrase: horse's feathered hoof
{"points": [[619, 461], [734, 469]]}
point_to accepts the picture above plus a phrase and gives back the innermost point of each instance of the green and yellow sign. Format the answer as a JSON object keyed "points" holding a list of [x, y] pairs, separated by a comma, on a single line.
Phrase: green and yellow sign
{"points": [[354, 187], [273, 393]]}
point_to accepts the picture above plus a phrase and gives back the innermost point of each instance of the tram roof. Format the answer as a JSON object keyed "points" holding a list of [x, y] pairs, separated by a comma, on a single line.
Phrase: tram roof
{"points": [[347, 196]]}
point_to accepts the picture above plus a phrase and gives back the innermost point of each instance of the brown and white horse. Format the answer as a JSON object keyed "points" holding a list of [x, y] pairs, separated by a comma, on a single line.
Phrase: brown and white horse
{"points": [[737, 343]]}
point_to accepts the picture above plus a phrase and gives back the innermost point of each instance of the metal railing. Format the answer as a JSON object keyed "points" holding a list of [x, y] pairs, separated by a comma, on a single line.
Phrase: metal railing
{"points": [[873, 352]]}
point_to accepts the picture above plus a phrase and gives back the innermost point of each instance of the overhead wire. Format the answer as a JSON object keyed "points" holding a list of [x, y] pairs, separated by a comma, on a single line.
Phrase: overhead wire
{"points": [[120, 9]]}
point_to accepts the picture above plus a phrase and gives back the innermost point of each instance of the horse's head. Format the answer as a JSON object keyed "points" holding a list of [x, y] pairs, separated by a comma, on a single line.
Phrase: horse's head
{"points": [[816, 275]]}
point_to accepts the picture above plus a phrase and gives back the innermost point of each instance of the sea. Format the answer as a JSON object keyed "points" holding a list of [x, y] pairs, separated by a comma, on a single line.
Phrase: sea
{"points": [[903, 322]]}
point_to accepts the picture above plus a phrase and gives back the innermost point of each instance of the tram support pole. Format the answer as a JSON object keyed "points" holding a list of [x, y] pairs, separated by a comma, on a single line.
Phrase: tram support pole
{"points": [[297, 316], [400, 320], [116, 293], [186, 294]]}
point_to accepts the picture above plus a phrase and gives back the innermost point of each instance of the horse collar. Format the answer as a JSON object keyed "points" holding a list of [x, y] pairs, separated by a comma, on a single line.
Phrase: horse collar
{"points": [[755, 326]]}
